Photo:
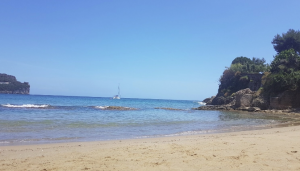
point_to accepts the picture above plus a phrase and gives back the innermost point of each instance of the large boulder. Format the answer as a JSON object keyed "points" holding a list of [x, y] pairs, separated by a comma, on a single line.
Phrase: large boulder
{"points": [[254, 109], [221, 100], [243, 98], [260, 102], [208, 101]]}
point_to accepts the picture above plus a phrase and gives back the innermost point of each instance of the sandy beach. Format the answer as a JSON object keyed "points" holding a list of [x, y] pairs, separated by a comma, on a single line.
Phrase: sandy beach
{"points": [[269, 149]]}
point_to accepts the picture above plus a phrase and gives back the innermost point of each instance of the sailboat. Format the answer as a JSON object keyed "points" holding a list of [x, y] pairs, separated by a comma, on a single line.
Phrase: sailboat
{"points": [[117, 96]]}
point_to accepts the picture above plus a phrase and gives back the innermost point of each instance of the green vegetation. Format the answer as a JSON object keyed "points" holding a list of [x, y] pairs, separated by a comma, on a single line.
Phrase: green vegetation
{"points": [[285, 73], [248, 66], [285, 68], [234, 78], [286, 41], [241, 60], [13, 86], [282, 74]]}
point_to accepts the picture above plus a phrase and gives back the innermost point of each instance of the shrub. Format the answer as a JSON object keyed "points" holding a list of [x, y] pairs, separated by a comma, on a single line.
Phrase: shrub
{"points": [[286, 61], [279, 82], [285, 73]]}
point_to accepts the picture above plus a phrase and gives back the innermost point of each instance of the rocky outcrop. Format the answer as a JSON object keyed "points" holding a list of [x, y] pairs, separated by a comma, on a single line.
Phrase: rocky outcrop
{"points": [[221, 100], [10, 85], [252, 101], [243, 98], [286, 100], [208, 101], [260, 102], [228, 108], [214, 107]]}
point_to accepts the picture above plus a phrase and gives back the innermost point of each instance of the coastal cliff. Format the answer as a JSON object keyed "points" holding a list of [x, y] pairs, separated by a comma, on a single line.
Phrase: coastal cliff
{"points": [[253, 85], [10, 85]]}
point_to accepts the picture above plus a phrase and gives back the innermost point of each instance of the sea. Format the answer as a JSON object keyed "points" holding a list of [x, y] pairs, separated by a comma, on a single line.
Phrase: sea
{"points": [[36, 119]]}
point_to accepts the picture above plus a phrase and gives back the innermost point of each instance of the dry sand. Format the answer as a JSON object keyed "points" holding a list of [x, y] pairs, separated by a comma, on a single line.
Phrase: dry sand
{"points": [[270, 149]]}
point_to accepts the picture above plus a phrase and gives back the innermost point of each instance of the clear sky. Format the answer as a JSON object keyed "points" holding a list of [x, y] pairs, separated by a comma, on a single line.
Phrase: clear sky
{"points": [[159, 49]]}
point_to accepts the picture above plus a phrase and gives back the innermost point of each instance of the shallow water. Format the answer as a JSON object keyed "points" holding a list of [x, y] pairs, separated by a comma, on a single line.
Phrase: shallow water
{"points": [[31, 119]]}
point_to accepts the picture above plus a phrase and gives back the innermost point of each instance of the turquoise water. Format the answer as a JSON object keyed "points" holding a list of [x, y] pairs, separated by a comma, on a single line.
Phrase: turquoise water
{"points": [[30, 119]]}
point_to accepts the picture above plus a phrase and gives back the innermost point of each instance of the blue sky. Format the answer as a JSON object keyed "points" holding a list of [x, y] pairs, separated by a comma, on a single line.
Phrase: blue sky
{"points": [[159, 49]]}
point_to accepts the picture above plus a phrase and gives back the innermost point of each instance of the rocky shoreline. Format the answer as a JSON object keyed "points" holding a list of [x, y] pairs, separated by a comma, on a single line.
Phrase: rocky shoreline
{"points": [[21, 91], [249, 101], [248, 109]]}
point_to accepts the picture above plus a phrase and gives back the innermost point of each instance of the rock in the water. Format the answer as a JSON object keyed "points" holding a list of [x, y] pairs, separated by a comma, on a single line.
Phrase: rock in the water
{"points": [[243, 108], [214, 107], [115, 108], [221, 100], [208, 101], [253, 109], [166, 108]]}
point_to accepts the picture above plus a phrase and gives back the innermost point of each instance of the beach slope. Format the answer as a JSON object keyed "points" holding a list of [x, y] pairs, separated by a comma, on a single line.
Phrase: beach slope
{"points": [[269, 149]]}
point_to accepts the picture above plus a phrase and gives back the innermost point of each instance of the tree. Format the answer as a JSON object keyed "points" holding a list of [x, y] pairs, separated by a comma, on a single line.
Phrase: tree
{"points": [[242, 60], [286, 61], [286, 41], [246, 65], [285, 72], [235, 77], [257, 61]]}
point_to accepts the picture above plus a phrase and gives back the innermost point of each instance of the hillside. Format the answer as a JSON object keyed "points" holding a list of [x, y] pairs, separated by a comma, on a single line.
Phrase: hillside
{"points": [[10, 85]]}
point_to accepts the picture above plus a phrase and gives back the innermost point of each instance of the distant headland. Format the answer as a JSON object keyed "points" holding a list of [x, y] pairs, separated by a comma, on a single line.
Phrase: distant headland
{"points": [[10, 85]]}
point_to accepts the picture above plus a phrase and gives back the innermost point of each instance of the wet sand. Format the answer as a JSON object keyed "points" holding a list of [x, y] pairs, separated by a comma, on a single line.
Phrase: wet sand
{"points": [[268, 149]]}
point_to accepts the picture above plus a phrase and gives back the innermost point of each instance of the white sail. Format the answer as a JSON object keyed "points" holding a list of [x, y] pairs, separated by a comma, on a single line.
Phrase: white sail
{"points": [[117, 96]]}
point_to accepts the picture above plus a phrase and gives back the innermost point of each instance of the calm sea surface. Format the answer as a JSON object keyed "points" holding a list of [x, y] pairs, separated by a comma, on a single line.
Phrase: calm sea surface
{"points": [[32, 119]]}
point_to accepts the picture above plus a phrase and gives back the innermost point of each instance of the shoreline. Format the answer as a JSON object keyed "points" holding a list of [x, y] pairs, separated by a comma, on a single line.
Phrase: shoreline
{"points": [[188, 133], [266, 149], [295, 111], [282, 119]]}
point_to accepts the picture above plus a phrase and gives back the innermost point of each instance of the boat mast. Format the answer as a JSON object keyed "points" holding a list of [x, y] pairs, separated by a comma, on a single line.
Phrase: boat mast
{"points": [[119, 90]]}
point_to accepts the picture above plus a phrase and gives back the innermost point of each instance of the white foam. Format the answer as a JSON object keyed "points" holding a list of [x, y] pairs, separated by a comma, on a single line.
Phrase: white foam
{"points": [[191, 133], [101, 107], [202, 103], [4, 142], [26, 106]]}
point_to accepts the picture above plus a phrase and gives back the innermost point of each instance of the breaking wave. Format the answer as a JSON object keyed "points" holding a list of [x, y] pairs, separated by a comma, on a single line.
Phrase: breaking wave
{"points": [[101, 107], [202, 103], [26, 106]]}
